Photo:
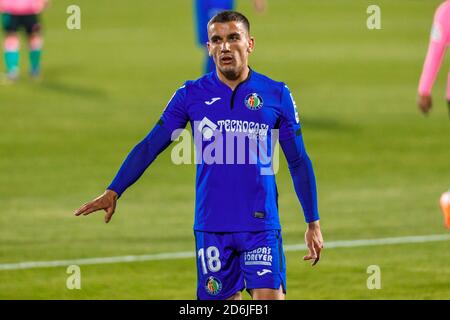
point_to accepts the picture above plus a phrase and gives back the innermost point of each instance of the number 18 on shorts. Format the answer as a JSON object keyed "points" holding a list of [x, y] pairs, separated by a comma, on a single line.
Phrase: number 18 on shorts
{"points": [[230, 262]]}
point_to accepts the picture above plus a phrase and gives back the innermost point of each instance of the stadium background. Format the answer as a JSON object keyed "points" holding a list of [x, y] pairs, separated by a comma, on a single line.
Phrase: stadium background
{"points": [[381, 166]]}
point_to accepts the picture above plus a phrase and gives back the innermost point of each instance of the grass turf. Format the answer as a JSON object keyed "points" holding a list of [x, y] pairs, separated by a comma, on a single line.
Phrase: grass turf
{"points": [[380, 165]]}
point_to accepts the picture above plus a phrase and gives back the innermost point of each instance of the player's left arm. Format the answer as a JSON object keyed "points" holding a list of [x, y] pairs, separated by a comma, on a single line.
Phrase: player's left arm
{"points": [[433, 61], [302, 173]]}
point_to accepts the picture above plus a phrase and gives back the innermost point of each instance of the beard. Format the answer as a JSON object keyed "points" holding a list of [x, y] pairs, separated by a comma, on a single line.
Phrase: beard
{"points": [[231, 73]]}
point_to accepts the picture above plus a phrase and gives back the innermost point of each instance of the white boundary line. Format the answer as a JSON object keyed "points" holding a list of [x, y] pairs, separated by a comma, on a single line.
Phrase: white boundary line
{"points": [[184, 255]]}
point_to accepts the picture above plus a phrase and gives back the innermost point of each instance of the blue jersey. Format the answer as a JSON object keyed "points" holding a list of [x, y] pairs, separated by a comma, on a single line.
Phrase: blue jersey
{"points": [[234, 132], [233, 195], [204, 11]]}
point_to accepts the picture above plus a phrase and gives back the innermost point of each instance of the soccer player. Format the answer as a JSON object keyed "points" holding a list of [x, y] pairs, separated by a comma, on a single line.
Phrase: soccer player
{"points": [[237, 228], [204, 11], [445, 207], [440, 39], [17, 14]]}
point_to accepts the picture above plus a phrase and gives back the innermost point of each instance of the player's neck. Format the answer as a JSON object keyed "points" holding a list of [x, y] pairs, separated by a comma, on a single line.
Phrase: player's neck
{"points": [[234, 83]]}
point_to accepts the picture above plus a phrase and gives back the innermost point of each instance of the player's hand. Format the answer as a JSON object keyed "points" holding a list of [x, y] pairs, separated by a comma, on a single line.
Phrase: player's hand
{"points": [[448, 104], [314, 242], [425, 103], [46, 4], [107, 201], [260, 5]]}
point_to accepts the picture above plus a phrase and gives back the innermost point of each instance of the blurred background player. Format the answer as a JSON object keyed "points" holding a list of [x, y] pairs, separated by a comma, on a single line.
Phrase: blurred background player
{"points": [[445, 206], [17, 14], [440, 39], [204, 11]]}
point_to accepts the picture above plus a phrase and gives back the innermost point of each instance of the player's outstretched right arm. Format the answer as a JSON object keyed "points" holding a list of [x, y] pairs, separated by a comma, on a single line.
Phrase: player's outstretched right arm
{"points": [[142, 155], [107, 201], [140, 158]]}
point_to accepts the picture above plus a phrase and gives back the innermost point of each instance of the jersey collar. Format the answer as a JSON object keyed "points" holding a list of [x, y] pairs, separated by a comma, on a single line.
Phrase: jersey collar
{"points": [[221, 84]]}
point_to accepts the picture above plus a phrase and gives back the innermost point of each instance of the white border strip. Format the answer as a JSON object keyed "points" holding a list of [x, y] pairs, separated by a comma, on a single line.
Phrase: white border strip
{"points": [[184, 255]]}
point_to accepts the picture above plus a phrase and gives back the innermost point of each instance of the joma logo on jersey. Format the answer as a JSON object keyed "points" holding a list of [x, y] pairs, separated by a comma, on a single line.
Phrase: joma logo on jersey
{"points": [[253, 101]]}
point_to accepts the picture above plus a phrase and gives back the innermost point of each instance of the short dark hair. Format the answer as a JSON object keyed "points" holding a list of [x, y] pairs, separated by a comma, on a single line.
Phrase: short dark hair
{"points": [[228, 16]]}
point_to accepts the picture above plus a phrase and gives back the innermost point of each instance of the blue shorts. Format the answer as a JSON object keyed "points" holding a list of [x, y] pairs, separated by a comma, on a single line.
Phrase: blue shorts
{"points": [[231, 262]]}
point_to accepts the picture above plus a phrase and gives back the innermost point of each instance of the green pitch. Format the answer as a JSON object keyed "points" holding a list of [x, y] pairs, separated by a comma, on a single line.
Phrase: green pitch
{"points": [[381, 166]]}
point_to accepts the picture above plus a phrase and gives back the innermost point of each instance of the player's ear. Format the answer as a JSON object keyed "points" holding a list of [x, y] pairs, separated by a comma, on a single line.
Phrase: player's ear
{"points": [[251, 45], [208, 47]]}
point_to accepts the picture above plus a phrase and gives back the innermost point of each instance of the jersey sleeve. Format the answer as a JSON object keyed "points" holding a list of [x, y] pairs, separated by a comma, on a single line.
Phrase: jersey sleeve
{"points": [[289, 122], [175, 115], [438, 42], [299, 163]]}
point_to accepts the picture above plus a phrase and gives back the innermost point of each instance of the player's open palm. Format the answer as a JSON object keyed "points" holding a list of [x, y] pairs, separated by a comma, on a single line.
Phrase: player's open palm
{"points": [[107, 201]]}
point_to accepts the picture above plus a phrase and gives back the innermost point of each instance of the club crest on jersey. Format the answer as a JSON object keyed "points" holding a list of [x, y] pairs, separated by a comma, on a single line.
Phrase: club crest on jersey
{"points": [[253, 101], [213, 286]]}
